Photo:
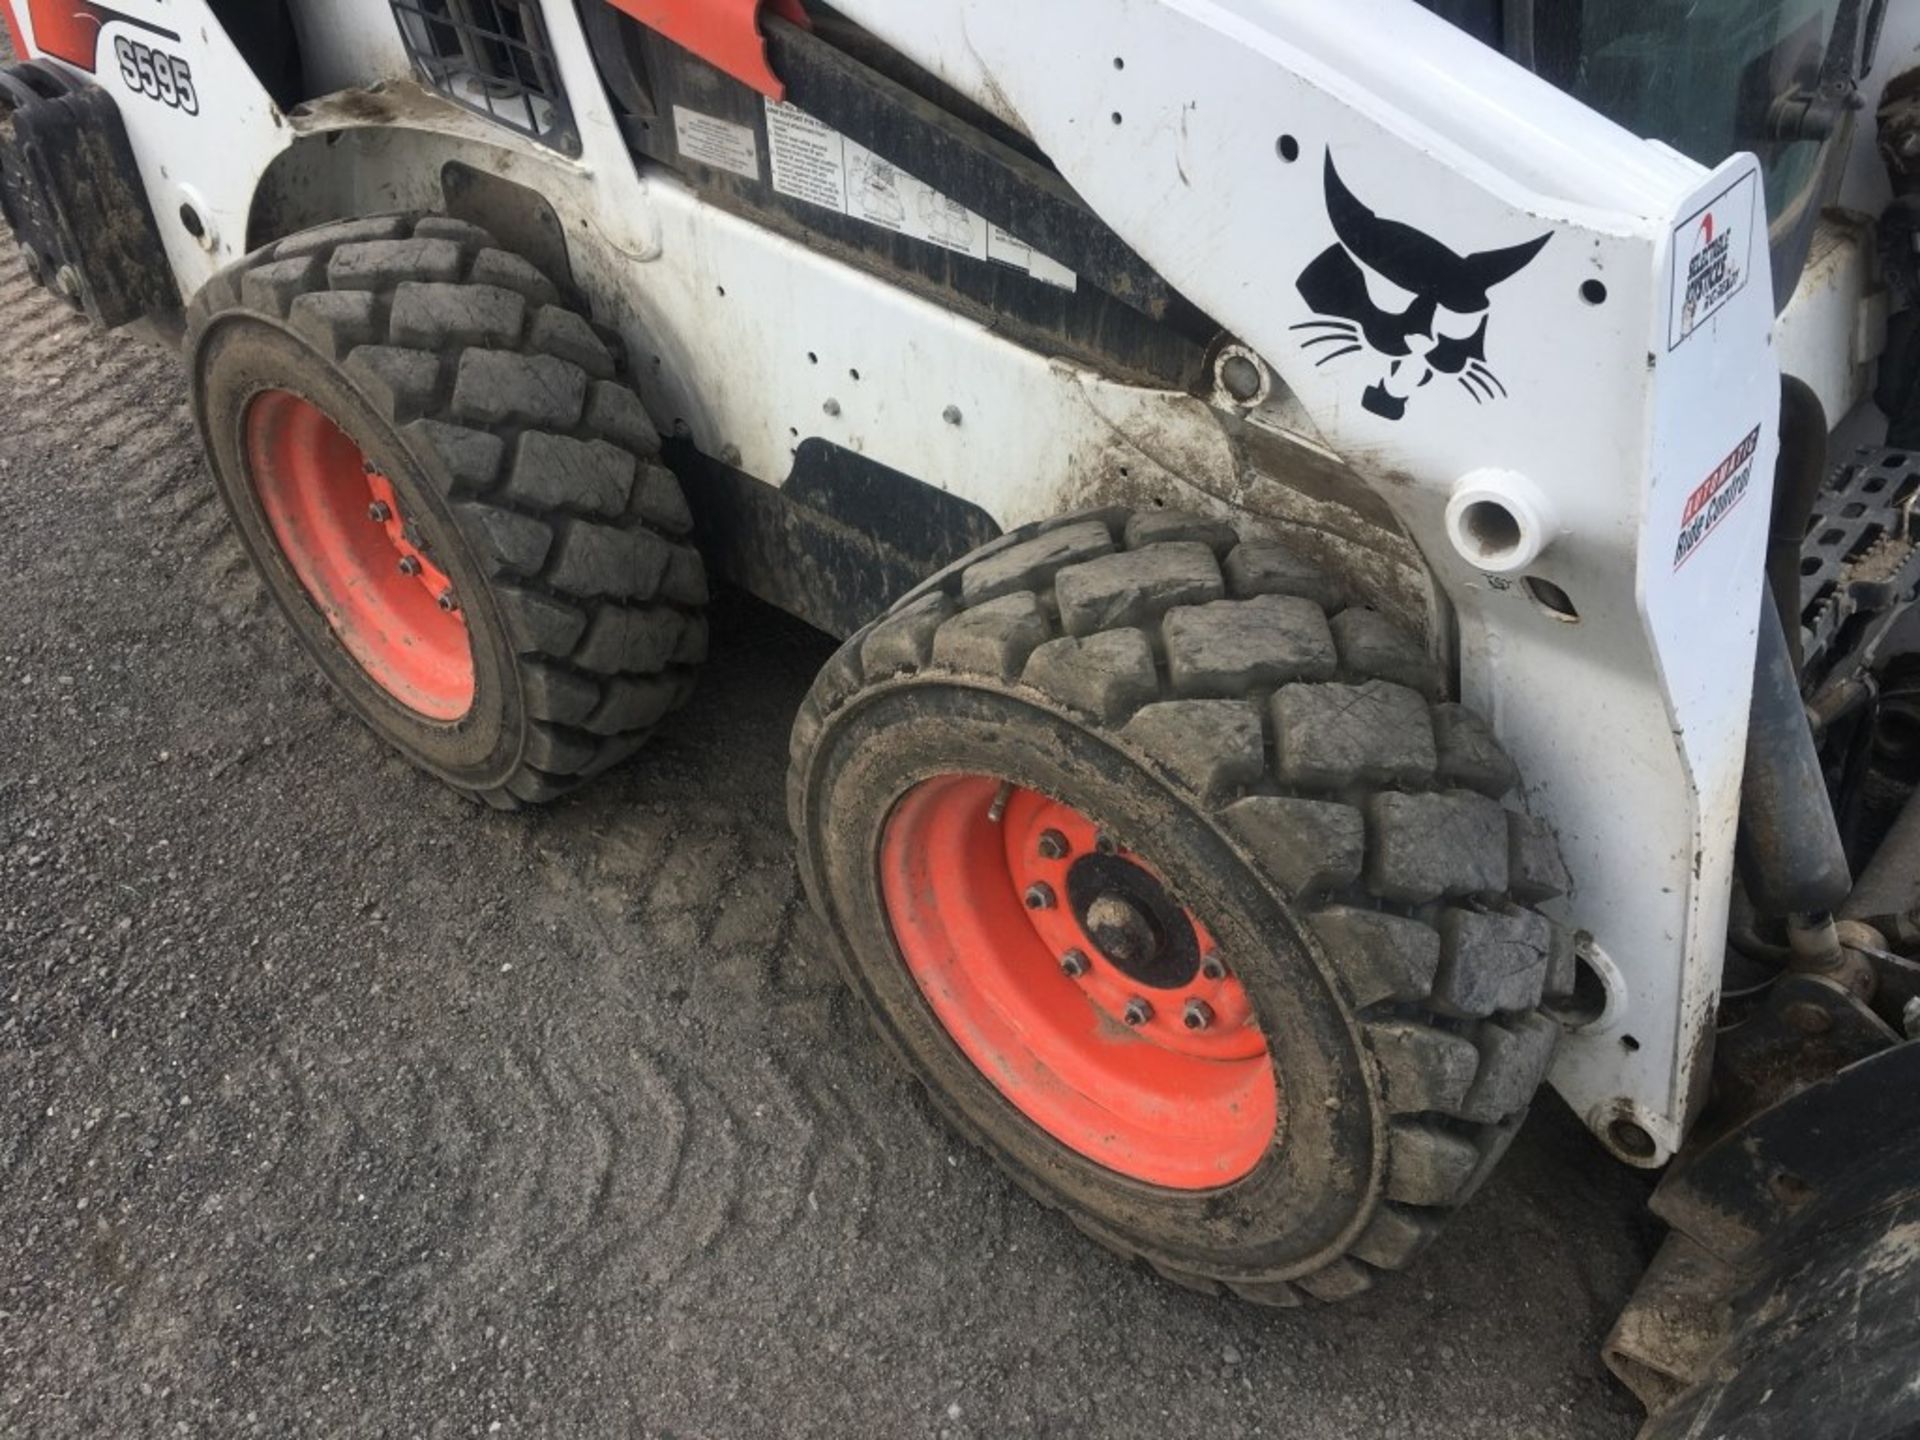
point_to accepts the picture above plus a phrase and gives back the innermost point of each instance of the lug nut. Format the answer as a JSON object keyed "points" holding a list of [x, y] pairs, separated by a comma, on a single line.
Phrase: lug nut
{"points": [[379, 513], [1197, 1015], [1053, 845], [446, 601], [1138, 1012], [409, 565], [1039, 896], [1073, 964], [1213, 967]]}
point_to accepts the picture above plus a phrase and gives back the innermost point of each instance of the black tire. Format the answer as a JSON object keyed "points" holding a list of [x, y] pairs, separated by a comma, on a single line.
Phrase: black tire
{"points": [[496, 411], [1303, 786]]}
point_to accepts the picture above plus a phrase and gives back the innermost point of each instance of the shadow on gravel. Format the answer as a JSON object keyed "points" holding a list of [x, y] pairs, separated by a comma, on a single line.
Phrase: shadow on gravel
{"points": [[335, 1105]]}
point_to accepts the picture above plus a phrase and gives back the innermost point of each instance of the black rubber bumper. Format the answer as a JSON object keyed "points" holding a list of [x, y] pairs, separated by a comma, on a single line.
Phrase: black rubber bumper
{"points": [[72, 196]]}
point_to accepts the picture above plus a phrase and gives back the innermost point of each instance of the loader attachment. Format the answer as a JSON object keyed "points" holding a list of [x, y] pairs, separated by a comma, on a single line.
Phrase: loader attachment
{"points": [[1786, 1300]]}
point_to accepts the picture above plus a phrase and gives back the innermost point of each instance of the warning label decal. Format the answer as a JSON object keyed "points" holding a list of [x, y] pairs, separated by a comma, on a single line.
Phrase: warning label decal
{"points": [[819, 165], [1713, 498], [1712, 254], [716, 142]]}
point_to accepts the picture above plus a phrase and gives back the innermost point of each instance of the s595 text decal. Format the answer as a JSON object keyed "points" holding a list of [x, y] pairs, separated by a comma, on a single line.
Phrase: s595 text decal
{"points": [[155, 73]]}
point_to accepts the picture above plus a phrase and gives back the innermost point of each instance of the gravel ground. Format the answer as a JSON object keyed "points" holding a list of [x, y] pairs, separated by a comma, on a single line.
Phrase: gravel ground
{"points": [[331, 1104]]}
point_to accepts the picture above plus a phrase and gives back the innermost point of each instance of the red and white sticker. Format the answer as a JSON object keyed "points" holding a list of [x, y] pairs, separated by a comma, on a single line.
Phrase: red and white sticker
{"points": [[1712, 258], [1715, 497]]}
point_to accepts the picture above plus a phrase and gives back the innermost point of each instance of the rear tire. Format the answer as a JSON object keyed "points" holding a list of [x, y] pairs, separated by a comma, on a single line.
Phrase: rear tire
{"points": [[1300, 787], [490, 417]]}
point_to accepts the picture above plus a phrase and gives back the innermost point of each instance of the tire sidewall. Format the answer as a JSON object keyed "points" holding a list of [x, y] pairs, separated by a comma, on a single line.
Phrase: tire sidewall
{"points": [[1317, 1185], [241, 356]]}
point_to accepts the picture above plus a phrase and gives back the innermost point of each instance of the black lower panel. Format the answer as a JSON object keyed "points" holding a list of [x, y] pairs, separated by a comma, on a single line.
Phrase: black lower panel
{"points": [[838, 543], [71, 195]]}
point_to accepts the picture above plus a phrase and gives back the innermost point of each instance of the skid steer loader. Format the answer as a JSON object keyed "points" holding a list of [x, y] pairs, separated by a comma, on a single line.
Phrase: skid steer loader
{"points": [[1375, 545]]}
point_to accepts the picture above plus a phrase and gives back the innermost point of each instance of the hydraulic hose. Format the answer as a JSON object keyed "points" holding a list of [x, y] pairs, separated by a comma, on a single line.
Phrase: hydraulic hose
{"points": [[1798, 476], [1789, 851]]}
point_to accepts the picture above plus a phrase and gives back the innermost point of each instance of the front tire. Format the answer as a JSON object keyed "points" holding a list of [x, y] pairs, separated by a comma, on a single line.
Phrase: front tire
{"points": [[1284, 824], [452, 497]]}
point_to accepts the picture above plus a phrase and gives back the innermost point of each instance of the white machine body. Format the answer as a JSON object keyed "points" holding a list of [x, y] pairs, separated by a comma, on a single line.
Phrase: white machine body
{"points": [[1590, 491]]}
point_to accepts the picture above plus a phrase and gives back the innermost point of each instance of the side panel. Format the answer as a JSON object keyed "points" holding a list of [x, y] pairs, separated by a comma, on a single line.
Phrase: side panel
{"points": [[1622, 377]]}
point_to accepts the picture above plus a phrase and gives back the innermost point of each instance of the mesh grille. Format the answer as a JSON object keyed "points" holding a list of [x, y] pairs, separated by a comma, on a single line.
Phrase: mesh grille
{"points": [[492, 57], [1860, 556]]}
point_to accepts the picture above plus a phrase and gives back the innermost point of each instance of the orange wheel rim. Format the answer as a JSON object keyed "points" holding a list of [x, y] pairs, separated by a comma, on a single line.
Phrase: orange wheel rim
{"points": [[1062, 968], [364, 565]]}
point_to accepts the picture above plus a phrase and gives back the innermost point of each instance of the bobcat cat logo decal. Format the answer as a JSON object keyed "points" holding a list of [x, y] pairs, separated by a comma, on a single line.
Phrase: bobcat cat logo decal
{"points": [[1387, 290]]}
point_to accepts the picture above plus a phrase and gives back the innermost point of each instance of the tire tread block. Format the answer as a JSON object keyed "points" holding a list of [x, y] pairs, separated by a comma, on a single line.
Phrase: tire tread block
{"points": [[1469, 755], [903, 640], [995, 638], [1338, 736], [629, 640], [1154, 527], [1423, 1068], [1108, 675], [1426, 846], [558, 472], [601, 561], [1381, 956], [1230, 647], [500, 387], [1265, 567], [1032, 564], [383, 264], [1491, 962], [1215, 747], [1514, 1055], [1308, 847], [1371, 645], [566, 335], [1135, 587], [436, 315]]}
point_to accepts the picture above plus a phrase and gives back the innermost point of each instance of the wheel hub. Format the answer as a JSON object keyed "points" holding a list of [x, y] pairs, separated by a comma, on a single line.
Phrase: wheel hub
{"points": [[1124, 934], [1131, 919]]}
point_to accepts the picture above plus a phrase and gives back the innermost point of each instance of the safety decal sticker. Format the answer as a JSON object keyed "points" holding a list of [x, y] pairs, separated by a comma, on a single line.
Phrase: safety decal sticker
{"points": [[1712, 258], [1713, 498], [1404, 302], [817, 164], [716, 142]]}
